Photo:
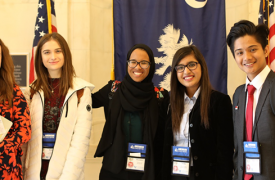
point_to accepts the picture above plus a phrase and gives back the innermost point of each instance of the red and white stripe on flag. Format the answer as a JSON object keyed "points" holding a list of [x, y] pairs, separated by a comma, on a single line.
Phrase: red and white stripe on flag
{"points": [[267, 16], [45, 23], [272, 40]]}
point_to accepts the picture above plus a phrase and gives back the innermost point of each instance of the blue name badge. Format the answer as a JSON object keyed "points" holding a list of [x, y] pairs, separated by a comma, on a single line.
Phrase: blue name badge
{"points": [[137, 148], [252, 155], [251, 147], [180, 159], [181, 151], [136, 157], [49, 137], [48, 145]]}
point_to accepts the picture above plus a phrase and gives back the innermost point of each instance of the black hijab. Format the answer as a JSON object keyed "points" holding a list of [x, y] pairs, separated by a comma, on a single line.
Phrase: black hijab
{"points": [[133, 97]]}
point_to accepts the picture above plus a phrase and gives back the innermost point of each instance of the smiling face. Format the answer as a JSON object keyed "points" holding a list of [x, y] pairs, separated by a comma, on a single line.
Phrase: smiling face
{"points": [[53, 58], [189, 78], [137, 73], [250, 56]]}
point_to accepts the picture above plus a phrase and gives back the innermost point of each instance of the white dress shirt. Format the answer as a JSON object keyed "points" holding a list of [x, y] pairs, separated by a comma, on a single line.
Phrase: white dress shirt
{"points": [[257, 82], [182, 138]]}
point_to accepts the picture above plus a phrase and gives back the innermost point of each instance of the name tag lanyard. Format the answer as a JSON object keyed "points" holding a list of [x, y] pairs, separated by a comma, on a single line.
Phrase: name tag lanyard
{"points": [[48, 142], [136, 154], [252, 155], [181, 162]]}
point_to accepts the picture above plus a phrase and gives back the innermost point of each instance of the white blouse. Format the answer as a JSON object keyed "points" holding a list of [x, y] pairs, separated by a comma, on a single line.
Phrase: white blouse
{"points": [[182, 138]]}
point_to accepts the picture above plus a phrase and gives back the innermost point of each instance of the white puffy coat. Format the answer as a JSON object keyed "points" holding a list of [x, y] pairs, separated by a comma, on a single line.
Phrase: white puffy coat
{"points": [[72, 138]]}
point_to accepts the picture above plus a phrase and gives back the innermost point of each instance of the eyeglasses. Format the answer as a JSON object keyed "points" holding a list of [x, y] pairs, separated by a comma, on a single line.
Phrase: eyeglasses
{"points": [[190, 66], [143, 64]]}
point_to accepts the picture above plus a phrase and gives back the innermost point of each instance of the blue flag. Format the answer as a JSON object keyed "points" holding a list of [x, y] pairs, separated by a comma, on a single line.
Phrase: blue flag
{"points": [[165, 26]]}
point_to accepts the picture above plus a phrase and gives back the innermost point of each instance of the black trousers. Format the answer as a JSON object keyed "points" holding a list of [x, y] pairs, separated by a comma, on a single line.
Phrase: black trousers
{"points": [[123, 175]]}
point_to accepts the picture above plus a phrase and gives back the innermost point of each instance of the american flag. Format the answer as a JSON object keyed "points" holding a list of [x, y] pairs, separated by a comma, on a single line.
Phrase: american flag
{"points": [[45, 23], [267, 16]]}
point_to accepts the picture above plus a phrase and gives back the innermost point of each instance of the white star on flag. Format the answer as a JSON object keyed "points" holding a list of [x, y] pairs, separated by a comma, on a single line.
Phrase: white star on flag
{"points": [[37, 27], [41, 19], [44, 24], [40, 5], [42, 33], [270, 4], [260, 15]]}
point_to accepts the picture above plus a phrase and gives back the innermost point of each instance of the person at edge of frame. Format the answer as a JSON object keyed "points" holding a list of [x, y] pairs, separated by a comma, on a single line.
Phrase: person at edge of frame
{"points": [[253, 102], [13, 107]]}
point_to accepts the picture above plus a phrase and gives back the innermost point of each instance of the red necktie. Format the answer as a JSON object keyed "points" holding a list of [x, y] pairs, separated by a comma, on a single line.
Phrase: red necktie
{"points": [[249, 118]]}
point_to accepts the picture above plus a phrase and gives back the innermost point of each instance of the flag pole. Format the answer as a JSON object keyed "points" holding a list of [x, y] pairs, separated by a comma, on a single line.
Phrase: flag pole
{"points": [[49, 14], [113, 66]]}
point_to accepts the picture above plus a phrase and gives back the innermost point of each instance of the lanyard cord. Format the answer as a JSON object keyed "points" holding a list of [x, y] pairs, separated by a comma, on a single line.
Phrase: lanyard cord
{"points": [[130, 129], [256, 129], [190, 118]]}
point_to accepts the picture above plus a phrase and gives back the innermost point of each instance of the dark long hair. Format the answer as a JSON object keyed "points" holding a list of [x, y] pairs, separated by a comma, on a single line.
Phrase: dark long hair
{"points": [[178, 90], [67, 74], [7, 80]]}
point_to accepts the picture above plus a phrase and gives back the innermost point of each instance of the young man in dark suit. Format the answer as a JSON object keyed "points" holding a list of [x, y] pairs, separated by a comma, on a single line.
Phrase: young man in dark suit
{"points": [[253, 109]]}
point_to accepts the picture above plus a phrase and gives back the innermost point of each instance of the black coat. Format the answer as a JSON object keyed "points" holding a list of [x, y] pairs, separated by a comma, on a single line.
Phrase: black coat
{"points": [[101, 99], [211, 149]]}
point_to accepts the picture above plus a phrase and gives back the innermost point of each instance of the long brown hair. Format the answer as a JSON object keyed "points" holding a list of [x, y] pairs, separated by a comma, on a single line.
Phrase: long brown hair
{"points": [[7, 80], [178, 90], [67, 72]]}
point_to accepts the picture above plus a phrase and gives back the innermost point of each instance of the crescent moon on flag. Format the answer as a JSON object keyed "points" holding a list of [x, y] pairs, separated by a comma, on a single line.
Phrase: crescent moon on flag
{"points": [[196, 4]]}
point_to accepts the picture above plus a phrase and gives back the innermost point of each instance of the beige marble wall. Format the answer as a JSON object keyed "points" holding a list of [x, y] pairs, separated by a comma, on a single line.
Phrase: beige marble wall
{"points": [[101, 58], [237, 10], [87, 26]]}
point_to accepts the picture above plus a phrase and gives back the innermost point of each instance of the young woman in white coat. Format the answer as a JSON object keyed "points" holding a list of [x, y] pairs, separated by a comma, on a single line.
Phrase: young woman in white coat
{"points": [[61, 115]]}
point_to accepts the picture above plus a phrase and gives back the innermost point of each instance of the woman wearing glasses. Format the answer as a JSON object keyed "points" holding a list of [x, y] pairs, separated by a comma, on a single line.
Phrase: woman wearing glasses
{"points": [[135, 112], [199, 138]]}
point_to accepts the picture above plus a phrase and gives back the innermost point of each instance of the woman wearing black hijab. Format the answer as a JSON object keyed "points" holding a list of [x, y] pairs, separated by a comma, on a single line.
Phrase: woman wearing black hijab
{"points": [[135, 112]]}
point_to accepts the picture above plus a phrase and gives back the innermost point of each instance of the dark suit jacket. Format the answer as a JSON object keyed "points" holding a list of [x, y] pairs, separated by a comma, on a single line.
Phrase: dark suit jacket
{"points": [[107, 146], [212, 149], [263, 129]]}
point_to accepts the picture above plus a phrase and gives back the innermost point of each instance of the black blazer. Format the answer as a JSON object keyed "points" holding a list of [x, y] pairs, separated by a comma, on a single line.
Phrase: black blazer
{"points": [[211, 149], [263, 129], [101, 99]]}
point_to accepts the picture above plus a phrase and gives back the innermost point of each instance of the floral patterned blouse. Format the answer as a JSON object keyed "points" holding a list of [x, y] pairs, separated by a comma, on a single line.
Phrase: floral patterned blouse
{"points": [[20, 133]]}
